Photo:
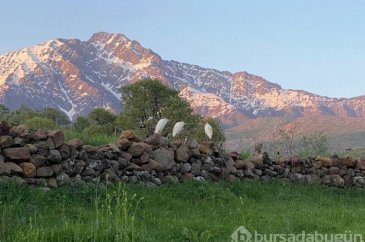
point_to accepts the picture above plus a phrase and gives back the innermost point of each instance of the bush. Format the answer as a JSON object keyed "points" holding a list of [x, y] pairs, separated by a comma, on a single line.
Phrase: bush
{"points": [[40, 123], [54, 114], [21, 115], [98, 129], [101, 116], [313, 145], [81, 123]]}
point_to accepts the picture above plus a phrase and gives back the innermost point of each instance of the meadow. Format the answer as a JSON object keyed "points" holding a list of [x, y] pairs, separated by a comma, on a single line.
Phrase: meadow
{"points": [[190, 211]]}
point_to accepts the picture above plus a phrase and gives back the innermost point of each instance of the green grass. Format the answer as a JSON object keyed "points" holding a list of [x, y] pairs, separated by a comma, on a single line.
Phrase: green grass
{"points": [[356, 153], [176, 212], [97, 139]]}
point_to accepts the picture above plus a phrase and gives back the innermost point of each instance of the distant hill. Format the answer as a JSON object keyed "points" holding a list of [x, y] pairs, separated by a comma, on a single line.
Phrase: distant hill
{"points": [[342, 132]]}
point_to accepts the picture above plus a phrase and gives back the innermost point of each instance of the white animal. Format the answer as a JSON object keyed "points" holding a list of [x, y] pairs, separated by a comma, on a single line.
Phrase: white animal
{"points": [[161, 125], [178, 127], [208, 130]]}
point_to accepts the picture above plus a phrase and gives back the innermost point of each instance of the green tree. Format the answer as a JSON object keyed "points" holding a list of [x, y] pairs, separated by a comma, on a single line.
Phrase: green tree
{"points": [[101, 116], [147, 101], [56, 115]]}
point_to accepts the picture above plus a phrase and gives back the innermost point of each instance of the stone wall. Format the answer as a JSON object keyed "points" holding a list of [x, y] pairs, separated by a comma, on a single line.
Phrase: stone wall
{"points": [[44, 159]]}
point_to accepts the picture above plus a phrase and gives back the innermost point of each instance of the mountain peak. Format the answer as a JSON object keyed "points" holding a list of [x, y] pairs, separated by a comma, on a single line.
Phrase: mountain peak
{"points": [[106, 38], [77, 76]]}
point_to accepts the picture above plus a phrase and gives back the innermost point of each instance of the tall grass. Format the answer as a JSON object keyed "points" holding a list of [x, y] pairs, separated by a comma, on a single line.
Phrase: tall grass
{"points": [[106, 215], [98, 139], [176, 212]]}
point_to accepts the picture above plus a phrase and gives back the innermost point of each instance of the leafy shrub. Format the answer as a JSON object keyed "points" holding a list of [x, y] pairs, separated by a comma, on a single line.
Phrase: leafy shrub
{"points": [[24, 114], [56, 115], [101, 116], [40, 123], [313, 145], [21, 115], [81, 123], [98, 129]]}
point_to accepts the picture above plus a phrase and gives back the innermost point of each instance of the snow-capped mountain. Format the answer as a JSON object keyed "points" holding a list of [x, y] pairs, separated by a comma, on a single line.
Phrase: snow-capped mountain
{"points": [[77, 76]]}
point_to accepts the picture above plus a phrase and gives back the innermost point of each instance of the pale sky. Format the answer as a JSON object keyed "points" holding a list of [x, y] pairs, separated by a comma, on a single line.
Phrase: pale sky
{"points": [[317, 46]]}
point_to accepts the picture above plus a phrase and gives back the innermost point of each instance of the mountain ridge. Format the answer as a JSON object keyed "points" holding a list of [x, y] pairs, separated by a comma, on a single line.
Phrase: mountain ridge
{"points": [[76, 76]]}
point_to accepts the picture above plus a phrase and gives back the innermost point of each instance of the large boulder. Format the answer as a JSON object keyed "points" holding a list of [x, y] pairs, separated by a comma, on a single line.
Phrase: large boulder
{"points": [[317, 164], [154, 139], [39, 135], [192, 144], [325, 161], [29, 169], [234, 155], [54, 157], [359, 181], [76, 143], [38, 160], [164, 157], [21, 131], [137, 149], [18, 142], [32, 148], [4, 169], [185, 168], [4, 128], [65, 151], [63, 179], [124, 144], [142, 159], [196, 166], [129, 135], [206, 147], [46, 171], [257, 160], [337, 181], [182, 153], [244, 164], [13, 168], [50, 144], [52, 182], [57, 137], [152, 165], [19, 153], [5, 141], [42, 148], [348, 161], [360, 164]]}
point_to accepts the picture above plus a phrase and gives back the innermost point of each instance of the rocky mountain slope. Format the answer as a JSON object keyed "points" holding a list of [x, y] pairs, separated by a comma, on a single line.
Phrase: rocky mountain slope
{"points": [[77, 76]]}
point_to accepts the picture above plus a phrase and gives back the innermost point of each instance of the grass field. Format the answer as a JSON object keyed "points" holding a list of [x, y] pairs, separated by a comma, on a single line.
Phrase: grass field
{"points": [[176, 212]]}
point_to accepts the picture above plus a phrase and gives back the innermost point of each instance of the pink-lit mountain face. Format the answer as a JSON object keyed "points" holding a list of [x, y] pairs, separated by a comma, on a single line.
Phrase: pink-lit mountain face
{"points": [[77, 76]]}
